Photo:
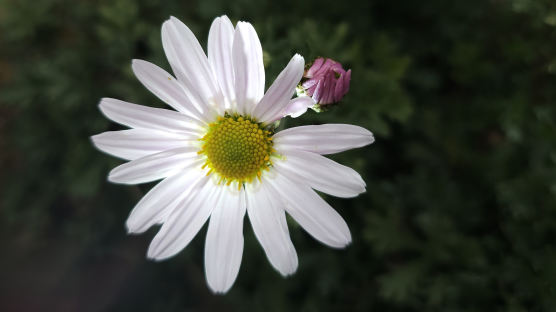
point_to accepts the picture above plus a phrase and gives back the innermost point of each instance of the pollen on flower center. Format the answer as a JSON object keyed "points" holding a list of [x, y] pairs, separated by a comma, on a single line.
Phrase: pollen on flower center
{"points": [[237, 148]]}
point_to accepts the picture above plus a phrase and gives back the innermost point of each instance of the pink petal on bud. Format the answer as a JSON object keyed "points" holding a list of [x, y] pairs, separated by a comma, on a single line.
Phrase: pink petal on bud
{"points": [[317, 91], [311, 83], [326, 81], [328, 86], [347, 79], [339, 88], [314, 67]]}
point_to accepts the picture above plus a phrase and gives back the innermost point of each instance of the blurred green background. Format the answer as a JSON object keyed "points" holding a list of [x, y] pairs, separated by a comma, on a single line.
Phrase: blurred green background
{"points": [[459, 213]]}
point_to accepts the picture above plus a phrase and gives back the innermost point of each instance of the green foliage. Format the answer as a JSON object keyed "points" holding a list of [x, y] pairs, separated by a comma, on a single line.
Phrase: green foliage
{"points": [[460, 211]]}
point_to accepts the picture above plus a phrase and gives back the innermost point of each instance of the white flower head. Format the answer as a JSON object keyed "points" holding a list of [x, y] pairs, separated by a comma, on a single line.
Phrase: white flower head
{"points": [[218, 155]]}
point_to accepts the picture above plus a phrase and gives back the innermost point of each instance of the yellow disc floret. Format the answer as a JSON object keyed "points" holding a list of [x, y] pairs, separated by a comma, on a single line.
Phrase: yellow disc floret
{"points": [[237, 149]]}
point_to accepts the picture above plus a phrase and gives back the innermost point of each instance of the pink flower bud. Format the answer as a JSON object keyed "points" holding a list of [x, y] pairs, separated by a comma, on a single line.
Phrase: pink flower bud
{"points": [[326, 81]]}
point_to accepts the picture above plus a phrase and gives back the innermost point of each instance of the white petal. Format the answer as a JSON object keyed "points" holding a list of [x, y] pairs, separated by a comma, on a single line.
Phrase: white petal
{"points": [[274, 103], [247, 55], [185, 220], [162, 199], [139, 116], [269, 224], [321, 173], [190, 64], [220, 40], [224, 242], [154, 167], [323, 139], [311, 211], [165, 87], [136, 143], [298, 106]]}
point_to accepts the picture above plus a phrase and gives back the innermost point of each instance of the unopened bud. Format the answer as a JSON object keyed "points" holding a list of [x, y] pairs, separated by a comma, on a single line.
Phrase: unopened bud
{"points": [[326, 81]]}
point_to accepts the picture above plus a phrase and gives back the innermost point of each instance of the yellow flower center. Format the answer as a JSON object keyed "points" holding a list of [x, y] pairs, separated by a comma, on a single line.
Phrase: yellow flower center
{"points": [[237, 149]]}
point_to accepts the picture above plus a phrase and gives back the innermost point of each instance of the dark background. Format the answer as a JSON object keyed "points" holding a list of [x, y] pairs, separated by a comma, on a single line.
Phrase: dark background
{"points": [[459, 213]]}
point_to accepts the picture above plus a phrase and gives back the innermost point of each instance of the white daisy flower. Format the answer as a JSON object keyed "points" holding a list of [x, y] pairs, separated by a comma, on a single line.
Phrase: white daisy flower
{"points": [[218, 156]]}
